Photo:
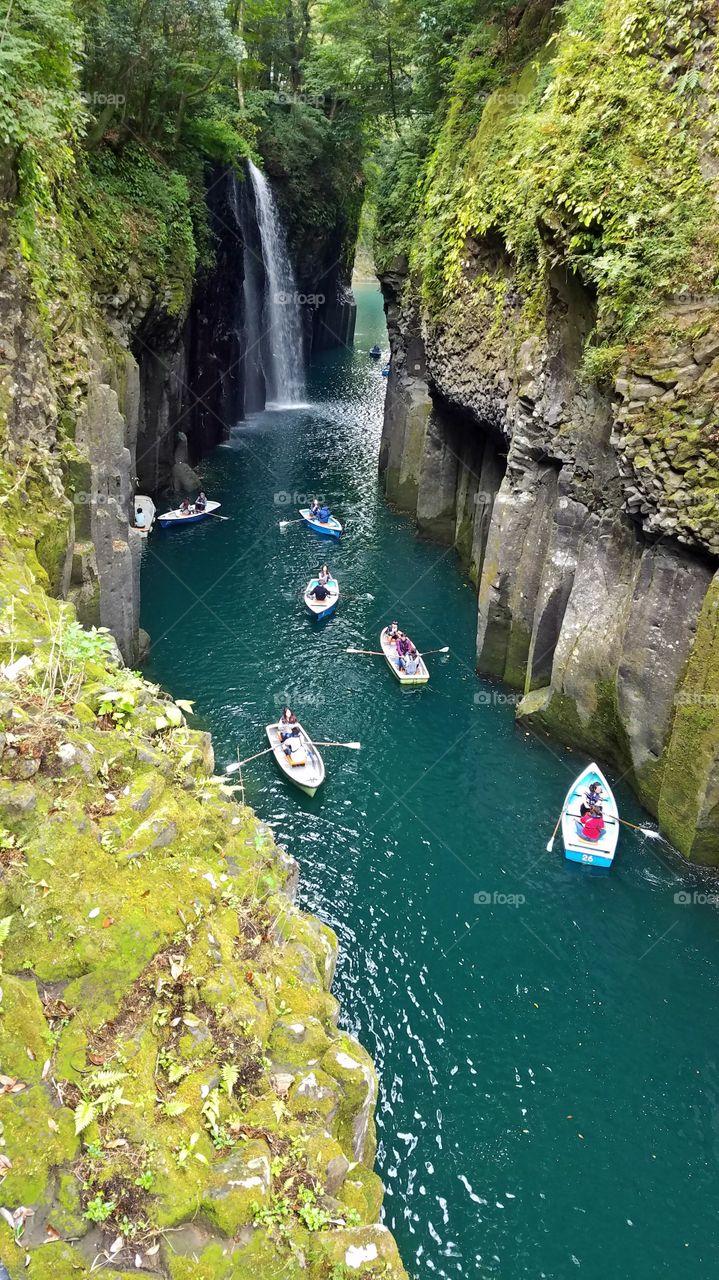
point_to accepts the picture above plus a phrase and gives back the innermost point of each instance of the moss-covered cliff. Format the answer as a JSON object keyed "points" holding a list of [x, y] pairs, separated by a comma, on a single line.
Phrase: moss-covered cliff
{"points": [[550, 254], [175, 1096]]}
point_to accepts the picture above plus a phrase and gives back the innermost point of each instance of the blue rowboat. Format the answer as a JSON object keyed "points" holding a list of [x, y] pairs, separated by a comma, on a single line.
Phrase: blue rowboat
{"points": [[592, 853], [322, 608], [178, 517], [332, 527]]}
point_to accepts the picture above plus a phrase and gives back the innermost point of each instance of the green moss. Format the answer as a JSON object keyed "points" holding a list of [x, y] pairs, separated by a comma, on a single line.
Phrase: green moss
{"points": [[23, 1031], [686, 810], [362, 1191], [33, 1144]]}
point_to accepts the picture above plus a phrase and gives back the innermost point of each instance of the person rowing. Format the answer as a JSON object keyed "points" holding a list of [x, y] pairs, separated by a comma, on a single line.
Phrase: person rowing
{"points": [[293, 746], [320, 591], [286, 724], [324, 515], [403, 644], [591, 825]]}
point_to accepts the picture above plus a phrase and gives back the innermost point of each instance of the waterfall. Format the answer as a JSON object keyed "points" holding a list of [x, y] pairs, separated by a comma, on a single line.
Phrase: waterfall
{"points": [[281, 338]]}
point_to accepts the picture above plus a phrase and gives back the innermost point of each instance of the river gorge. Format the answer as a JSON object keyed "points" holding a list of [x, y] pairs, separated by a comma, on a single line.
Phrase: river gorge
{"points": [[506, 1000], [389, 1030]]}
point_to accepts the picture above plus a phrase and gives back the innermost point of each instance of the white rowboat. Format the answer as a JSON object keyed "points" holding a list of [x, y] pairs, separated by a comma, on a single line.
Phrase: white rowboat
{"points": [[308, 770], [596, 853], [421, 675]]}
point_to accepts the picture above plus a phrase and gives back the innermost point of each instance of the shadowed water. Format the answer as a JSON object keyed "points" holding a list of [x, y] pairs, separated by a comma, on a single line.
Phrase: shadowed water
{"points": [[545, 1040]]}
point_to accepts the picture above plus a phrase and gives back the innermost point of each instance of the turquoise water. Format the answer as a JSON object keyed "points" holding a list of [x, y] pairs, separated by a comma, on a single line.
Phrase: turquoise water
{"points": [[549, 1087]]}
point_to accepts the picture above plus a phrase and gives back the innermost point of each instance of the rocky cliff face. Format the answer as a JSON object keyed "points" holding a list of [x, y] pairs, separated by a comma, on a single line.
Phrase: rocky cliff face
{"points": [[176, 1098], [595, 597], [551, 407]]}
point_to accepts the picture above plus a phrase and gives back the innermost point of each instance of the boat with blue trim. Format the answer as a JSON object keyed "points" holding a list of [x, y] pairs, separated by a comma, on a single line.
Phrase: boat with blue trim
{"points": [[331, 526], [322, 608], [577, 848]]}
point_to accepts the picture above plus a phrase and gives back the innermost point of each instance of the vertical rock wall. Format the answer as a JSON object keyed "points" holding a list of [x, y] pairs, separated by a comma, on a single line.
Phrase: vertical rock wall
{"points": [[607, 625]]}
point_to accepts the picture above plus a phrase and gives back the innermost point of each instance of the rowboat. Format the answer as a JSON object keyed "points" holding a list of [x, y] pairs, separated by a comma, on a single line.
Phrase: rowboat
{"points": [[308, 773], [331, 527], [322, 608], [421, 675], [597, 853], [144, 504], [171, 518]]}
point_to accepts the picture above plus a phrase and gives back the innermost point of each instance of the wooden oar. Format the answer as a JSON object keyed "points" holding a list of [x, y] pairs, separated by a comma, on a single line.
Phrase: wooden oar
{"points": [[377, 653], [237, 764], [284, 523], [550, 842], [216, 517], [646, 831]]}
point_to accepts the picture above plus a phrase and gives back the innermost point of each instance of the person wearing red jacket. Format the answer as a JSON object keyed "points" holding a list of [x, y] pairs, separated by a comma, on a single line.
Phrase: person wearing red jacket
{"points": [[592, 824]]}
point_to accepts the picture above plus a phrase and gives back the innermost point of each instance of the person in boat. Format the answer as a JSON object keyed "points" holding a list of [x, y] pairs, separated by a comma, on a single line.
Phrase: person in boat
{"points": [[392, 632], [200, 501], [375, 352], [314, 509], [410, 662], [324, 515], [591, 825], [140, 521], [185, 507], [403, 644], [324, 575], [286, 724], [293, 745], [320, 591], [592, 796]]}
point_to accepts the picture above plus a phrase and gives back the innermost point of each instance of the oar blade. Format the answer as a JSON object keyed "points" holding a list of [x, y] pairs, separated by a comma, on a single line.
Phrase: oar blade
{"points": [[550, 844], [233, 768]]}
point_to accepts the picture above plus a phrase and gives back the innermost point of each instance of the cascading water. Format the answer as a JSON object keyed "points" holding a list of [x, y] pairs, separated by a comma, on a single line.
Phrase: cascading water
{"points": [[281, 340]]}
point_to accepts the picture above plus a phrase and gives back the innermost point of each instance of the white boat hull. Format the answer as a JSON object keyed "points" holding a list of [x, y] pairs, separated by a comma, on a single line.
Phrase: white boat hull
{"points": [[170, 519], [594, 853], [308, 777], [421, 675]]}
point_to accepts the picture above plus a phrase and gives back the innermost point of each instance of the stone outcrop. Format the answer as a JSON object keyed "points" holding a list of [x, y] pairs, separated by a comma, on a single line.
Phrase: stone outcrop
{"points": [[176, 1097], [583, 518]]}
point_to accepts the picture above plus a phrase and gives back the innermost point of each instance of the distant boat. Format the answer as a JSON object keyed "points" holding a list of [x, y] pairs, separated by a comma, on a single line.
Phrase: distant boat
{"points": [[385, 371], [421, 675], [375, 352], [596, 853], [171, 518], [144, 504], [331, 527], [322, 608], [307, 771]]}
